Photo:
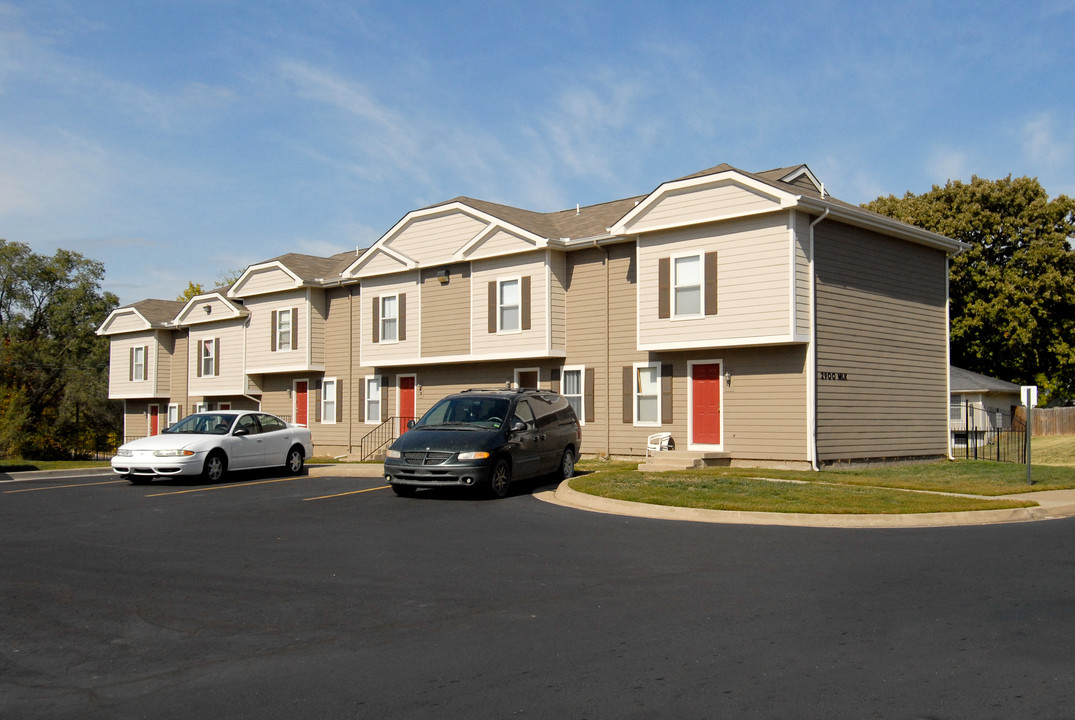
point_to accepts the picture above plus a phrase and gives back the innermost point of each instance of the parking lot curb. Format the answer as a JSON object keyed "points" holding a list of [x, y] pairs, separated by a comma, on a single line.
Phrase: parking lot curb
{"points": [[1054, 504], [24, 475]]}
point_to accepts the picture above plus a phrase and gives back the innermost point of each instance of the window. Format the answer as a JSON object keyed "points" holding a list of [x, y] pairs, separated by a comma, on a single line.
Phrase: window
{"points": [[687, 286], [328, 401], [207, 366], [373, 400], [138, 363], [201, 407], [648, 394], [571, 387], [509, 306], [173, 415], [389, 318], [283, 329]]}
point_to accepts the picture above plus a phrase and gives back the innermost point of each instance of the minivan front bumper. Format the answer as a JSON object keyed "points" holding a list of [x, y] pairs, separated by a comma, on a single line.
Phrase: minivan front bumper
{"points": [[401, 472]]}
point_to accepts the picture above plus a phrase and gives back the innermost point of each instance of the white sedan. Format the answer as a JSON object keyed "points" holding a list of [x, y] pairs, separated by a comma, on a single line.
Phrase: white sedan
{"points": [[211, 443]]}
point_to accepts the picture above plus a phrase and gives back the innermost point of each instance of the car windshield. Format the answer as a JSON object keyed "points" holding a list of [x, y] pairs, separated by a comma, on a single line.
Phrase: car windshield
{"points": [[203, 424], [478, 412]]}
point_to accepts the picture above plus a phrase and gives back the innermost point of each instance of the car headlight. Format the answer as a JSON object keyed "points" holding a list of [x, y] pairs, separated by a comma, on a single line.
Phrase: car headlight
{"points": [[173, 453], [394, 454], [473, 455], [124, 452]]}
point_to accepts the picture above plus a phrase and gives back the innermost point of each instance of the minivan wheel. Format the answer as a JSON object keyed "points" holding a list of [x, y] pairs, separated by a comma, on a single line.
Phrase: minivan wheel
{"points": [[567, 465], [500, 479]]}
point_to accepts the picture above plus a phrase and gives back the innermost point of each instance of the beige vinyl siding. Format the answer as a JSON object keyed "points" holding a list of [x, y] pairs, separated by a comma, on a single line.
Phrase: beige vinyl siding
{"points": [[260, 356], [801, 225], [120, 385], [231, 380], [558, 300], [524, 343], [622, 438], [125, 322], [435, 239], [179, 366], [136, 418], [317, 311], [882, 329], [703, 204], [265, 280], [195, 314], [500, 242], [391, 352], [753, 280], [445, 316], [162, 362], [379, 263], [275, 397]]}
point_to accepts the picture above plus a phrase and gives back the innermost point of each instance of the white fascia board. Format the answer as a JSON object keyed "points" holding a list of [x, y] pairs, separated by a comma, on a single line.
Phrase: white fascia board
{"points": [[800, 171], [354, 270], [494, 227], [447, 359], [232, 291], [726, 343], [785, 199], [103, 330], [887, 226]]}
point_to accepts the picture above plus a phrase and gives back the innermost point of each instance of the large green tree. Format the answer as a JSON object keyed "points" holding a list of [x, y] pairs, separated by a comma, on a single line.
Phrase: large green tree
{"points": [[53, 366], [1013, 290]]}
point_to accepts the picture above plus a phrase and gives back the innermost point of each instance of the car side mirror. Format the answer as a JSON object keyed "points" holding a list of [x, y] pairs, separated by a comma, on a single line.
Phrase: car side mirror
{"points": [[411, 423], [518, 426], [240, 432]]}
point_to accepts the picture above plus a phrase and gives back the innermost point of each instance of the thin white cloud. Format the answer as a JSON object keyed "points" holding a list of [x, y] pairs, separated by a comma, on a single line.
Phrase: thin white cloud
{"points": [[944, 164], [1043, 146]]}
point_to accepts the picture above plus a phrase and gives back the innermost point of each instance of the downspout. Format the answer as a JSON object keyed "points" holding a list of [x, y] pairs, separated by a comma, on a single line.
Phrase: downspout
{"points": [[948, 356], [812, 355], [608, 351]]}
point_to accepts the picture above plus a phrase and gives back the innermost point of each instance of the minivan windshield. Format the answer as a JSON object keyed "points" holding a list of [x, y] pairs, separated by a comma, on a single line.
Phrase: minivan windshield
{"points": [[203, 424], [478, 412]]}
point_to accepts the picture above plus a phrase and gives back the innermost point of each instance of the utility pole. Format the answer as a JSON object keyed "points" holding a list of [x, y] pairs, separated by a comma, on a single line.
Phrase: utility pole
{"points": [[1029, 396]]}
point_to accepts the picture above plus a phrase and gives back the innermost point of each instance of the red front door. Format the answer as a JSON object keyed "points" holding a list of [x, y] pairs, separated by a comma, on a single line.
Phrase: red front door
{"points": [[154, 420], [302, 389], [705, 397], [406, 402]]}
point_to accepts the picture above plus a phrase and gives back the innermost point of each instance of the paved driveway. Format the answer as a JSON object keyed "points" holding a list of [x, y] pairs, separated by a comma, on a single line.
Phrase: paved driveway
{"points": [[323, 597]]}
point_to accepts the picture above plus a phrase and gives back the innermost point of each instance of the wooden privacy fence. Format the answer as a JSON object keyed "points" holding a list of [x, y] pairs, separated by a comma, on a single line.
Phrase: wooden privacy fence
{"points": [[1050, 421]]}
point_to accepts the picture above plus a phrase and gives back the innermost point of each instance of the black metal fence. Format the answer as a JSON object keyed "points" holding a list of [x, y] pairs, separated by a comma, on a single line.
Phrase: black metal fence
{"points": [[979, 434]]}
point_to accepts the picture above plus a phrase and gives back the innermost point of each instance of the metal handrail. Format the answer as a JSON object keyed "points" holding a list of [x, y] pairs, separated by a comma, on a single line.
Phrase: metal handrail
{"points": [[380, 437]]}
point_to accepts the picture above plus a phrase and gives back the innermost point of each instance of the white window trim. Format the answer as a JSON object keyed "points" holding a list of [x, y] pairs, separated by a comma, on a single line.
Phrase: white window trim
{"points": [[200, 407], [656, 366], [281, 346], [581, 370], [500, 330], [374, 380], [139, 349], [168, 418], [381, 320], [329, 418], [210, 345], [520, 371], [672, 287]]}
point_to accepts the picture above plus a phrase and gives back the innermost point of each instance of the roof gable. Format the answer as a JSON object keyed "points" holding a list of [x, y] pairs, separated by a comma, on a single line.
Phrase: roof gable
{"points": [[207, 308], [139, 316]]}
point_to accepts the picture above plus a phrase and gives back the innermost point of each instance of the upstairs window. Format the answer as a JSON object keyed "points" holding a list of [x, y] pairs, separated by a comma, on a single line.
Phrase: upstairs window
{"points": [[209, 357], [138, 363], [285, 331], [509, 306], [389, 318], [687, 286]]}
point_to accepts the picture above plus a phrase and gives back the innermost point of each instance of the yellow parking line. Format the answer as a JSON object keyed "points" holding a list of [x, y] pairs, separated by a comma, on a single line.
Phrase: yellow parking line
{"points": [[225, 487], [61, 487], [352, 492]]}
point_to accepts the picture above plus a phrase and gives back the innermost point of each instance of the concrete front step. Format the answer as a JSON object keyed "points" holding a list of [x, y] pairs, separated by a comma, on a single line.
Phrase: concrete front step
{"points": [[684, 460]]}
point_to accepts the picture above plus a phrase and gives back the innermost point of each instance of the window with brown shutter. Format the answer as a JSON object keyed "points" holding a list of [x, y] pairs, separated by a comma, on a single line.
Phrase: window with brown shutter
{"points": [[711, 283], [272, 332], [402, 321], [376, 320], [525, 302], [664, 288], [294, 328]]}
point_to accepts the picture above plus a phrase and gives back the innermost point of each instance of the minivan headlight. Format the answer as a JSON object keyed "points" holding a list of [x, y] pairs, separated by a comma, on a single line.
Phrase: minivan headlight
{"points": [[473, 455], [394, 454]]}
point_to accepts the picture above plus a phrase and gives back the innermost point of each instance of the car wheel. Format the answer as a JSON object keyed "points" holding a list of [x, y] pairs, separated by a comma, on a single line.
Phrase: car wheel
{"points": [[500, 479], [295, 459], [403, 490], [215, 467], [567, 466]]}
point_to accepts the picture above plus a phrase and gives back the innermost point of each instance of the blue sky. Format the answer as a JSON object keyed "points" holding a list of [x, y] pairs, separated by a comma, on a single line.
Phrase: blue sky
{"points": [[177, 141]]}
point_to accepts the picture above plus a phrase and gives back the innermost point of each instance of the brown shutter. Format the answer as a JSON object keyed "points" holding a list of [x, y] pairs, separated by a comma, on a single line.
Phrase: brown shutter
{"points": [[216, 356], [587, 401], [666, 394], [525, 290], [198, 357], [376, 320], [179, 412], [339, 400], [294, 328], [401, 318], [628, 394], [554, 380], [711, 283], [145, 362], [492, 307], [272, 335], [384, 398], [664, 288], [362, 400], [130, 365]]}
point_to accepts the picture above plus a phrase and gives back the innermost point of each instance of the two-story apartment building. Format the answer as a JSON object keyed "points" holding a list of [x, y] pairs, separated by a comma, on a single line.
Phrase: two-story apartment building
{"points": [[749, 314]]}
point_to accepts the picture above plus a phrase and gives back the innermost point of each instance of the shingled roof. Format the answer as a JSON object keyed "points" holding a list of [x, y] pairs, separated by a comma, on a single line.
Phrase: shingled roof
{"points": [[157, 312]]}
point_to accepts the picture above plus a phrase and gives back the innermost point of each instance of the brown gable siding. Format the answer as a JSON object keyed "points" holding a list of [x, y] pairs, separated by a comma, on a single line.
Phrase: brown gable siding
{"points": [[881, 343]]}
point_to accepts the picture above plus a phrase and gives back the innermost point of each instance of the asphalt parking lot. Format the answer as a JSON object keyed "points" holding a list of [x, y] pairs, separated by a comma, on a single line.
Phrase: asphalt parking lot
{"points": [[271, 596]]}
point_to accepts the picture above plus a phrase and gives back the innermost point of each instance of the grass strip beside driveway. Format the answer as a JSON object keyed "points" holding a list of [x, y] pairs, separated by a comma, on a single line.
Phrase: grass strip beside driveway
{"points": [[875, 491]]}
